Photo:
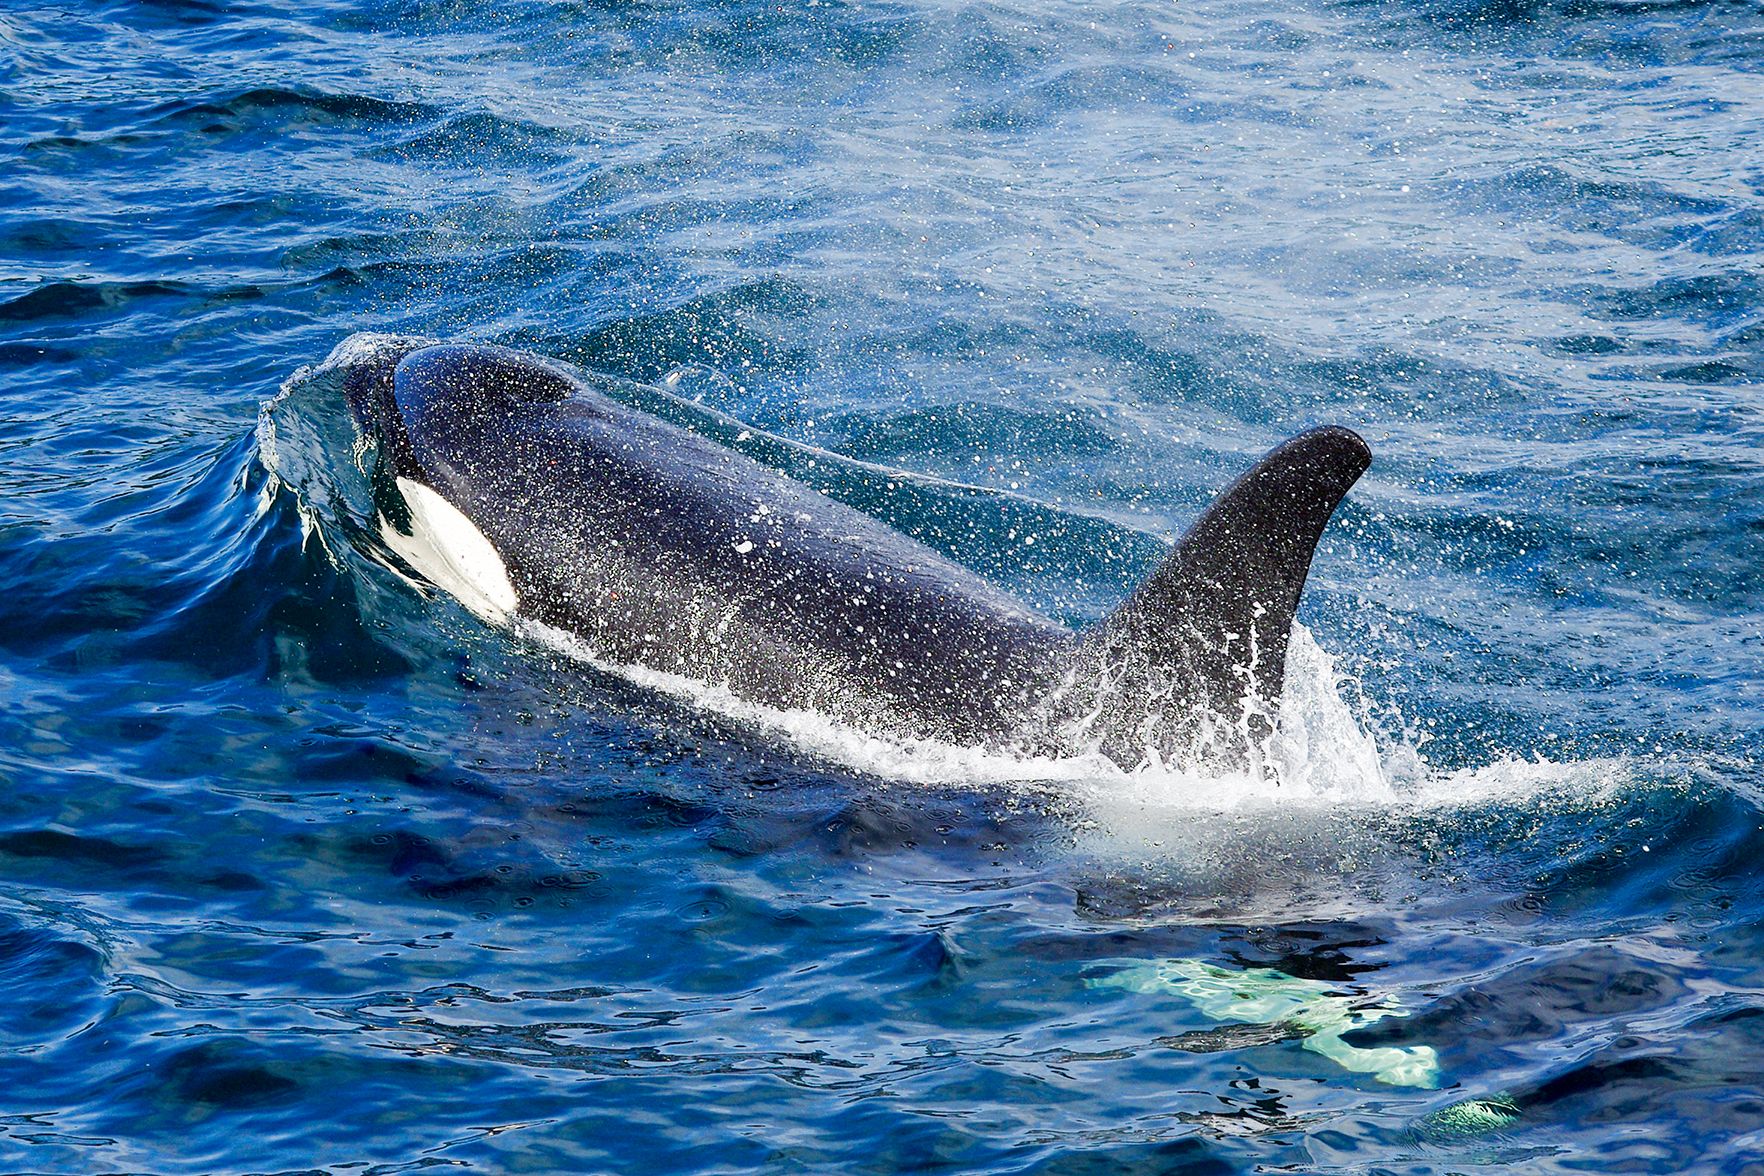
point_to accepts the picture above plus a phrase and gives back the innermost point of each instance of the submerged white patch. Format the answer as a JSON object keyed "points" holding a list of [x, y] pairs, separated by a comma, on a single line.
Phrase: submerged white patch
{"points": [[447, 548], [1322, 1014]]}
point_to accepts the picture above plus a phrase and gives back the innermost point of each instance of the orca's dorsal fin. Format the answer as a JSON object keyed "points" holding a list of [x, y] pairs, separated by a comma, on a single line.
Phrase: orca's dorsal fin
{"points": [[1211, 624]]}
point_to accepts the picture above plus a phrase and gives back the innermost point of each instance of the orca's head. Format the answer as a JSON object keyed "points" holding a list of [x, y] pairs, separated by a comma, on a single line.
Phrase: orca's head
{"points": [[397, 393], [445, 421]]}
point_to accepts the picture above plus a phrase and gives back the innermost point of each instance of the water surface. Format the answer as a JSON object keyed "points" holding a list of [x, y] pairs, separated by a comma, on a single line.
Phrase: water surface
{"points": [[303, 867]]}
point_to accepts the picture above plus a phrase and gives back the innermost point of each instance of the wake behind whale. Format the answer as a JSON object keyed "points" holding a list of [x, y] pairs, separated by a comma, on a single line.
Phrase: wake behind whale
{"points": [[511, 482]]}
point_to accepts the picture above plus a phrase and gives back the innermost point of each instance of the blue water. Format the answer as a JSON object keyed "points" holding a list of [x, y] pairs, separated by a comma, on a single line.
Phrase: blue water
{"points": [[303, 866]]}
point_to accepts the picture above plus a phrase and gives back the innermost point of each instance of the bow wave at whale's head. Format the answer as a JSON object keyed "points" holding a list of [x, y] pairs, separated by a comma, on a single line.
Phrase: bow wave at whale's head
{"points": [[515, 483]]}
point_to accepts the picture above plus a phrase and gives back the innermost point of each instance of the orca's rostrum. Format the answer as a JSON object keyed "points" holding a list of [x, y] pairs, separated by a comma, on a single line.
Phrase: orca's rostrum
{"points": [[506, 479]]}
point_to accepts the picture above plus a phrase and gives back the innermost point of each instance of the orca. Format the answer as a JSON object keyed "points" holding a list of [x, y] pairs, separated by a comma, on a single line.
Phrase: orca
{"points": [[510, 481]]}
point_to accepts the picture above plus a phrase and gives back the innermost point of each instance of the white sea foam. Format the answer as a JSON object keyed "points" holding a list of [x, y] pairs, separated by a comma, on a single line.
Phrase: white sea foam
{"points": [[1321, 758]]}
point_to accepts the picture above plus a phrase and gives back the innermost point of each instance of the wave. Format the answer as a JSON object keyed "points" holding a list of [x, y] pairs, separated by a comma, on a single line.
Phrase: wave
{"points": [[284, 104], [69, 299]]}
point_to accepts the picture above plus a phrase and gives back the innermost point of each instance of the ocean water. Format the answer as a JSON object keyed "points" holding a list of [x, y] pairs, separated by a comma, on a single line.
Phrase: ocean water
{"points": [[303, 866]]}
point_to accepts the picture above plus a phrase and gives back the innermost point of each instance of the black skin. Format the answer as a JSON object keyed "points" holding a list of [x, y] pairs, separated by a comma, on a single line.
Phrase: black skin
{"points": [[649, 542]]}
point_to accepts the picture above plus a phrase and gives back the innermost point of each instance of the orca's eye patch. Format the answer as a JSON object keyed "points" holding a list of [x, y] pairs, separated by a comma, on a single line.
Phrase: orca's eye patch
{"points": [[468, 378]]}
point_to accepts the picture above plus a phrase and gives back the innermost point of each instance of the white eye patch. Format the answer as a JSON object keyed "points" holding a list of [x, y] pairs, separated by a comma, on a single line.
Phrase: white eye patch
{"points": [[452, 553]]}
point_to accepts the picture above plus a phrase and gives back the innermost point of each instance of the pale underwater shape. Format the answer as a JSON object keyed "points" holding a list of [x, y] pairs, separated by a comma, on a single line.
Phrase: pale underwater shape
{"points": [[1264, 996]]}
